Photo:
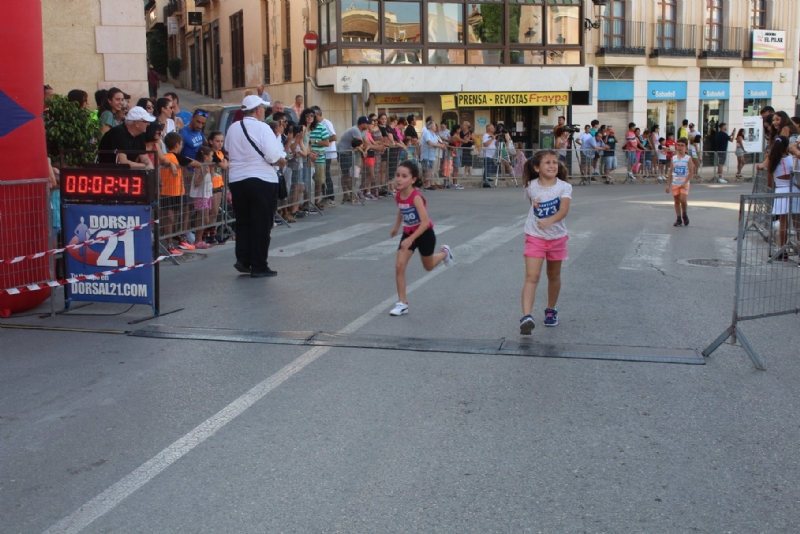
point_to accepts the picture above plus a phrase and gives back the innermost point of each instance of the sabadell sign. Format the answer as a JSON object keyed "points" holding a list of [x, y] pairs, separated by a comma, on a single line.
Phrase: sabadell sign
{"points": [[664, 94], [714, 94]]}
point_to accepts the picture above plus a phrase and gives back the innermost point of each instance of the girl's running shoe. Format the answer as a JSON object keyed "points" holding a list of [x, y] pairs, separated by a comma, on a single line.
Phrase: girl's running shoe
{"points": [[526, 325], [401, 308], [550, 317], [185, 245], [448, 256], [174, 251], [685, 219]]}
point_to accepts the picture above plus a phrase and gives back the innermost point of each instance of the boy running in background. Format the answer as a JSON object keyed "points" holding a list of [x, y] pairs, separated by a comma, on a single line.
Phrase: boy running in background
{"points": [[679, 182]]}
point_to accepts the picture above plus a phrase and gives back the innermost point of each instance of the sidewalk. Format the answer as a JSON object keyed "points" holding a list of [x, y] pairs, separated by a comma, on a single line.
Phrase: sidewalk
{"points": [[188, 99]]}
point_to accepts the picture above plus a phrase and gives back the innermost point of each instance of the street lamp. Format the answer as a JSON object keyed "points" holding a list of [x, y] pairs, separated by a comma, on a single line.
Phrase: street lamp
{"points": [[587, 22]]}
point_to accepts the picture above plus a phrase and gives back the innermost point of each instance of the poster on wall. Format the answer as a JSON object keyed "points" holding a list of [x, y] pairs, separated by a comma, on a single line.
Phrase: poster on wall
{"points": [[768, 44], [753, 134], [172, 26]]}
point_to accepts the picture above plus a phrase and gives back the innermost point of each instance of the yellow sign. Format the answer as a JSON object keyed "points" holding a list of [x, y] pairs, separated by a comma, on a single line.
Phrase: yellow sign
{"points": [[448, 102], [392, 100], [477, 100]]}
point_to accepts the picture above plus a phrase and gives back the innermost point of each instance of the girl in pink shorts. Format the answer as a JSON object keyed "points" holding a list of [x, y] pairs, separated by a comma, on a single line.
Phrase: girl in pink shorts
{"points": [[545, 234], [202, 192]]}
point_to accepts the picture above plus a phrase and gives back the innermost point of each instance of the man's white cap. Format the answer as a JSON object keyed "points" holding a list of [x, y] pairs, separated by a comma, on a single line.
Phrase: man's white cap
{"points": [[252, 102], [137, 113]]}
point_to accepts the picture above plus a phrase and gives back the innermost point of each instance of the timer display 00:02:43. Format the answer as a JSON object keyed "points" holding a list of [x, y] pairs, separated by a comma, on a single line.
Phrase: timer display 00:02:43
{"points": [[104, 185]]}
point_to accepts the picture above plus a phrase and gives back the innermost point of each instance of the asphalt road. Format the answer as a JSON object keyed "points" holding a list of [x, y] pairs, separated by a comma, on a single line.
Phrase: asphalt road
{"points": [[114, 433]]}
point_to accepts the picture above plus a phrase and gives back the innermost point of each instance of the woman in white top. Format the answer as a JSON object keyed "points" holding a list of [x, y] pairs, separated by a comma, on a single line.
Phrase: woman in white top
{"points": [[780, 175]]}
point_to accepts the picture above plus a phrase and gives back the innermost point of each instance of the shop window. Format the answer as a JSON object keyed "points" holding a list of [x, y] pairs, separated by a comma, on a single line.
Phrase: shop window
{"points": [[485, 57], [563, 57], [446, 57], [485, 23], [360, 22], [527, 57], [401, 22], [361, 56], [445, 23], [525, 25], [563, 25], [402, 56]]}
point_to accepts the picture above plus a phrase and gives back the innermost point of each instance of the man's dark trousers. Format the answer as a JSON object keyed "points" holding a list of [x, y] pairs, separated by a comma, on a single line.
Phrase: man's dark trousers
{"points": [[254, 202]]}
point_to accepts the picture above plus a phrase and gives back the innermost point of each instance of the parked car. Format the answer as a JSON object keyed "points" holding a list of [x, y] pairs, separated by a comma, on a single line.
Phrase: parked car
{"points": [[220, 116]]}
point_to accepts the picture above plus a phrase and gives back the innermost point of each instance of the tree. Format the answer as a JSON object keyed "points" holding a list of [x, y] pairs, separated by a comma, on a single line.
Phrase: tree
{"points": [[157, 54], [71, 128]]}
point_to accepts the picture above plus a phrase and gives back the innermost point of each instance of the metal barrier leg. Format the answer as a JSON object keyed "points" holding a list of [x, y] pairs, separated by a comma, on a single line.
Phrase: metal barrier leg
{"points": [[166, 252], [708, 351], [749, 350]]}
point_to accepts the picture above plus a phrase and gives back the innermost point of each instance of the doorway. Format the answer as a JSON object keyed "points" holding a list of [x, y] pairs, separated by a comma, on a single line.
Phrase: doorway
{"points": [[714, 113], [662, 113]]}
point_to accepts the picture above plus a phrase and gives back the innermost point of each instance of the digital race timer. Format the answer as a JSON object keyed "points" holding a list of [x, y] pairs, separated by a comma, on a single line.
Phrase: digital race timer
{"points": [[102, 186]]}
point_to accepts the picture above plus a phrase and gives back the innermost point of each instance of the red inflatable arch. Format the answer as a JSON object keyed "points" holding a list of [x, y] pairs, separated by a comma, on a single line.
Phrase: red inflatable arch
{"points": [[23, 211]]}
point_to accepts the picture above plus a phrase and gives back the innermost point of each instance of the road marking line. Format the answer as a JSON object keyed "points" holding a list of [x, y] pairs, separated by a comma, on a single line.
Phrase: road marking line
{"points": [[385, 248], [646, 253], [326, 239], [111, 497]]}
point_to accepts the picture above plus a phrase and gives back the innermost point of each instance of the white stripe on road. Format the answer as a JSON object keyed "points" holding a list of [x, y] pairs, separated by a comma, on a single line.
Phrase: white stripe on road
{"points": [[477, 247], [576, 243], [647, 252], [384, 248], [326, 239], [111, 497]]}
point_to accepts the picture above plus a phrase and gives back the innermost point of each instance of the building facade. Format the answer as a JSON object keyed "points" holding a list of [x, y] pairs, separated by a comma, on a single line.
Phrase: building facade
{"points": [[519, 62], [95, 44]]}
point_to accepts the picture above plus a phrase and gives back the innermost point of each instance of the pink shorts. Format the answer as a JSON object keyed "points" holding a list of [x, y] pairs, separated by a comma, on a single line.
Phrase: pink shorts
{"points": [[555, 250], [202, 203]]}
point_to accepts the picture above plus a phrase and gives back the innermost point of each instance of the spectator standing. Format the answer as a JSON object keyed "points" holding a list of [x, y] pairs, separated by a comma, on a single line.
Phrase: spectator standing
{"points": [[262, 94], [297, 107], [79, 97], [721, 143], [331, 155], [124, 144], [430, 144], [631, 149], [278, 107], [694, 147], [411, 130], [318, 140], [610, 154], [182, 114], [587, 144], [112, 105], [254, 186], [489, 149], [346, 161], [192, 134], [153, 82], [466, 140]]}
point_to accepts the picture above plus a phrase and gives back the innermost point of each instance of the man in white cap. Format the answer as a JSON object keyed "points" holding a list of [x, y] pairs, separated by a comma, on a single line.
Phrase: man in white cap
{"points": [[254, 153], [125, 144]]}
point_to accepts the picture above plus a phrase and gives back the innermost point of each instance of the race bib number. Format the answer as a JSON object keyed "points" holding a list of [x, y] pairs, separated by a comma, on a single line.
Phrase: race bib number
{"points": [[543, 210]]}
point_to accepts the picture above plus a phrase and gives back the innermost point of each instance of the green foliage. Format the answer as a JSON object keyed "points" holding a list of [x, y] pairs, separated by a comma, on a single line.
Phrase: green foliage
{"points": [[157, 50], [174, 67], [490, 28], [70, 127]]}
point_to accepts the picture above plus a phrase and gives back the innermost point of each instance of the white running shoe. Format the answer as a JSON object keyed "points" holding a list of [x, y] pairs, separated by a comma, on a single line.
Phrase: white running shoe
{"points": [[448, 256], [722, 181], [458, 186], [400, 308]]}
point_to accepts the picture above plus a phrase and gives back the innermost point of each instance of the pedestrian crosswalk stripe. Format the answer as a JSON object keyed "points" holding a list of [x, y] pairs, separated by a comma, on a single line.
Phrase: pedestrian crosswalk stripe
{"points": [[478, 246], [385, 248], [646, 253], [326, 239]]}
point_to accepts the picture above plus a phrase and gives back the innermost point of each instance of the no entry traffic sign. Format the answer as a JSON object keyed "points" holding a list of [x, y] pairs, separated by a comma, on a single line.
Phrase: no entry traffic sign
{"points": [[311, 41]]}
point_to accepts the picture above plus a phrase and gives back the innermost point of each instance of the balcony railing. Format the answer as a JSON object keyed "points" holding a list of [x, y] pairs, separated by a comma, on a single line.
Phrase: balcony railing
{"points": [[287, 64], [623, 38], [267, 70], [172, 7], [722, 42], [674, 40]]}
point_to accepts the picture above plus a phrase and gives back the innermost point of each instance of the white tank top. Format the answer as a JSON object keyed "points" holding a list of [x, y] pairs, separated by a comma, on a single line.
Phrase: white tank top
{"points": [[784, 173]]}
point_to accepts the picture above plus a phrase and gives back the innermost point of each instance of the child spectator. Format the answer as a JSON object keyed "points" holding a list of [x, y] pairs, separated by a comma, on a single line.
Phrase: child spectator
{"points": [[519, 161], [201, 192], [172, 190], [217, 140], [740, 152], [662, 159]]}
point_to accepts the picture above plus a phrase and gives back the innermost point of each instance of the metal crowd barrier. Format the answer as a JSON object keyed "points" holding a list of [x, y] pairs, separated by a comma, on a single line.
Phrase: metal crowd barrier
{"points": [[29, 203], [767, 274]]}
